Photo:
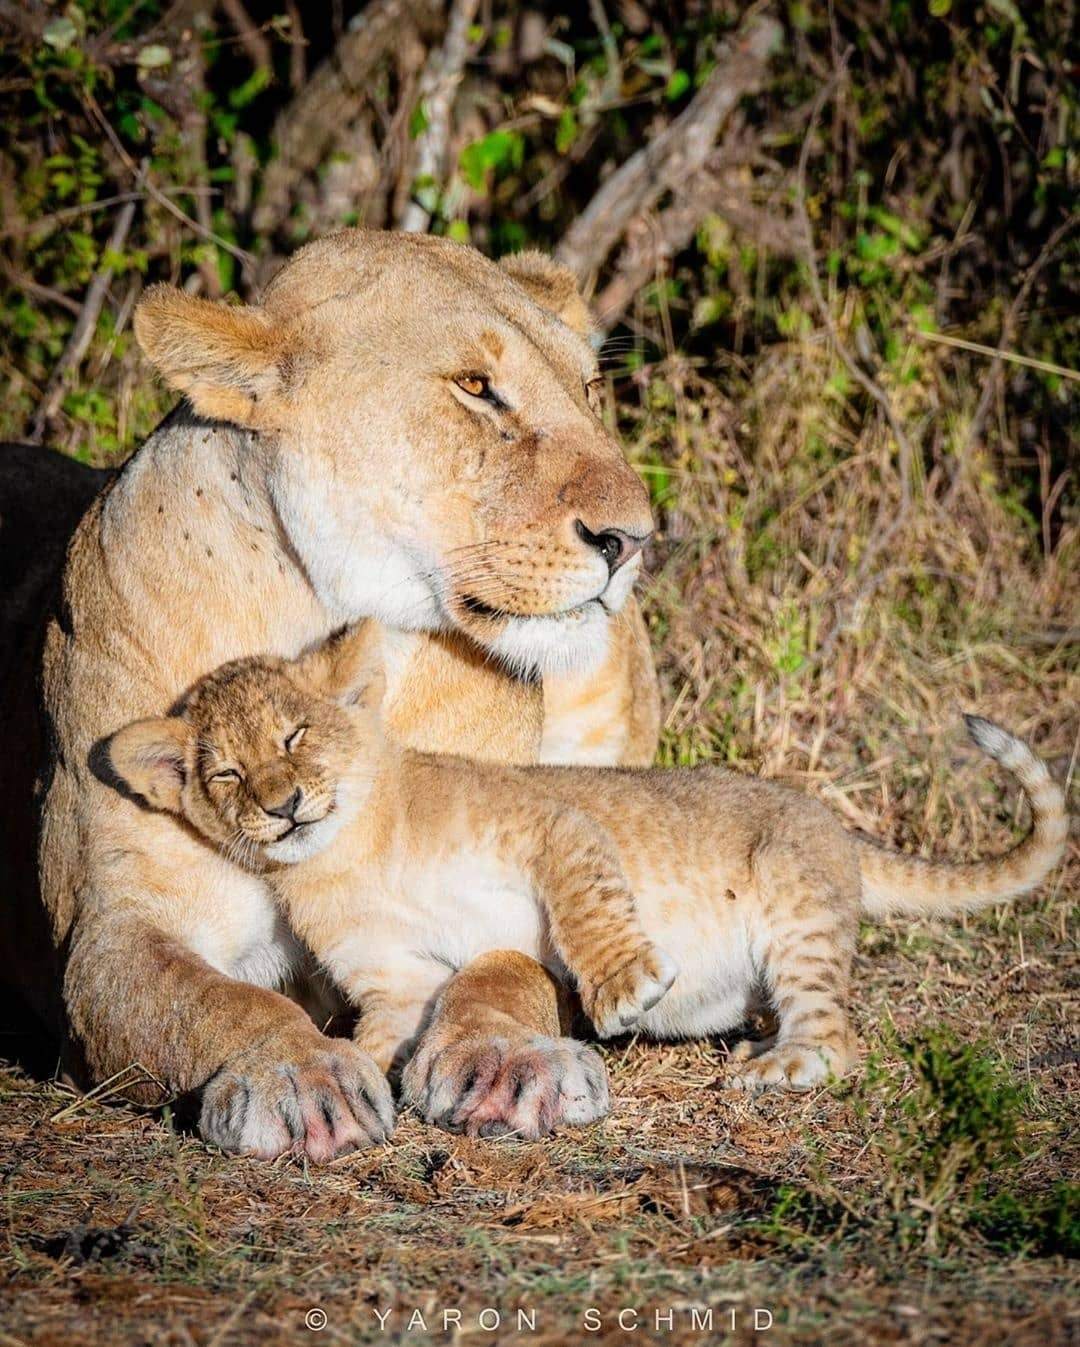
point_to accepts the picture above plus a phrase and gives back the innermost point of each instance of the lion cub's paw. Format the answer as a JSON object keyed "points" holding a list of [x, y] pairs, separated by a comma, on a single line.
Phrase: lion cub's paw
{"points": [[622, 999], [789, 1066]]}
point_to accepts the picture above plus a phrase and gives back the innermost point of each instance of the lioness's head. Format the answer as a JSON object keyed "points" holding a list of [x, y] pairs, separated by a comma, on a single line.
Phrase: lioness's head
{"points": [[265, 758], [430, 426]]}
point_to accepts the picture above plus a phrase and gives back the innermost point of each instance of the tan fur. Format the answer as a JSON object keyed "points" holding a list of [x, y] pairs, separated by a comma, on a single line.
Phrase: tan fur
{"points": [[328, 468], [407, 864]]}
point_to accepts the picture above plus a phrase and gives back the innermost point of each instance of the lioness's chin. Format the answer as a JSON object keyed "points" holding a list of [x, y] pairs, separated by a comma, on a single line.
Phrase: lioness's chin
{"points": [[568, 643]]}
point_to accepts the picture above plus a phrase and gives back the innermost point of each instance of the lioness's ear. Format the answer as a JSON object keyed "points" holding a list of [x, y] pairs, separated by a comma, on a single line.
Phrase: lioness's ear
{"points": [[551, 285], [225, 358], [149, 758], [346, 667]]}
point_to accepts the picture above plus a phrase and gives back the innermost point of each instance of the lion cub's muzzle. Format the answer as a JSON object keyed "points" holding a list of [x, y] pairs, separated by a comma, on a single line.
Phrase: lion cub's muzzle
{"points": [[276, 815]]}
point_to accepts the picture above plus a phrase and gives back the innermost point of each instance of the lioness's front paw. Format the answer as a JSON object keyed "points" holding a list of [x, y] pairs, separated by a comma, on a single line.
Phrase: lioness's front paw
{"points": [[490, 1087], [323, 1101], [623, 998], [784, 1066]]}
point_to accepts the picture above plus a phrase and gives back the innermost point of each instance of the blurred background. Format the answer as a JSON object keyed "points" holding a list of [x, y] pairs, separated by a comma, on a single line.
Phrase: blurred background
{"points": [[832, 250]]}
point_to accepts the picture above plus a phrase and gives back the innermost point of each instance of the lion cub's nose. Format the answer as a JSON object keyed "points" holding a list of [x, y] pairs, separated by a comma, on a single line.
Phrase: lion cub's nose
{"points": [[615, 546], [286, 808]]}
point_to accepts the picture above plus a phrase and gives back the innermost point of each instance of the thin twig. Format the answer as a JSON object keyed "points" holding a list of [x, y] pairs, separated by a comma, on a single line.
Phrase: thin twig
{"points": [[297, 47], [1008, 333], [88, 207], [613, 73], [118, 1081], [46, 293], [252, 38], [246, 259]]}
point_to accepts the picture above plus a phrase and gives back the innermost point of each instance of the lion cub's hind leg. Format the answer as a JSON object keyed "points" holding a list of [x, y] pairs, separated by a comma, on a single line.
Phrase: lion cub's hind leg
{"points": [[807, 920]]}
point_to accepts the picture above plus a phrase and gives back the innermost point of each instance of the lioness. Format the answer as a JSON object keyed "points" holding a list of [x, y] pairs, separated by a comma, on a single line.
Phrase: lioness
{"points": [[397, 867], [401, 429]]}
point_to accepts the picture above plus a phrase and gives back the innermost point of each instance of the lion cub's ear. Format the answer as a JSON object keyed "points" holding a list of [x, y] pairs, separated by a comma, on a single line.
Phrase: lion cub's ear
{"points": [[149, 757], [346, 667], [226, 358], [551, 285]]}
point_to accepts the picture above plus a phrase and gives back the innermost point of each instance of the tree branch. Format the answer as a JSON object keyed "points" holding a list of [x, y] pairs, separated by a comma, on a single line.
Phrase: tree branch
{"points": [[85, 325], [252, 38], [653, 240], [438, 87], [672, 156], [309, 126]]}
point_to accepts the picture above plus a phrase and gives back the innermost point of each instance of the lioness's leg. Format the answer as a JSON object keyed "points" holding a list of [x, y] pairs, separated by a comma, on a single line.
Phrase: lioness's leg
{"points": [[271, 1082], [492, 1061]]}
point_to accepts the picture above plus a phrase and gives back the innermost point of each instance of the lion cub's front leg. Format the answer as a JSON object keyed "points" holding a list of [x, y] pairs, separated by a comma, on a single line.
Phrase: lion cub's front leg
{"points": [[595, 926]]}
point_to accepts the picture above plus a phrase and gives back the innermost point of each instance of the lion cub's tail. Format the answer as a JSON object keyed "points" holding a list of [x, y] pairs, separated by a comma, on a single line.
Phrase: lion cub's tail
{"points": [[907, 884]]}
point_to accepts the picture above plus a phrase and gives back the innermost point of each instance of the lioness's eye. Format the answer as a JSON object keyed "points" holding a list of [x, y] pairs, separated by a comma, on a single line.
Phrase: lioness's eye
{"points": [[226, 774], [294, 739], [476, 385]]}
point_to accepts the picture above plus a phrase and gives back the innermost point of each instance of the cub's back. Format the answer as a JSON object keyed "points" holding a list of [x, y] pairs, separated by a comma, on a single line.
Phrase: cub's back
{"points": [[685, 818]]}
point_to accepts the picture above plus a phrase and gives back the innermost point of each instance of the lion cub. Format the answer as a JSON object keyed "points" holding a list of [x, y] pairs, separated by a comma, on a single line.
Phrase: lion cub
{"points": [[399, 867]]}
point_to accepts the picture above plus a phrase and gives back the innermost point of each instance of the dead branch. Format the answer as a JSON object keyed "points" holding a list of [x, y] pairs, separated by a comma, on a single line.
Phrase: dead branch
{"points": [[672, 156], [85, 325], [297, 47], [241, 255], [653, 240], [252, 38], [47, 294], [438, 87], [310, 124]]}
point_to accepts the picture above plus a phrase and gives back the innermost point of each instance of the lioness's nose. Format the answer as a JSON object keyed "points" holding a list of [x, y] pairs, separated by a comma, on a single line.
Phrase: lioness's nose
{"points": [[286, 808], [615, 546]]}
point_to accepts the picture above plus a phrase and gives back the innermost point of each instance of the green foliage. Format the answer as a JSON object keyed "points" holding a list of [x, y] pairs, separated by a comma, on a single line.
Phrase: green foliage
{"points": [[961, 1118], [946, 1119], [111, 91], [498, 152], [1045, 1224]]}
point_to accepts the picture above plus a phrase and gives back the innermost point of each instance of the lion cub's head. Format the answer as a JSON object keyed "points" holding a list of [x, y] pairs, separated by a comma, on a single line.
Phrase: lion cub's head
{"points": [[264, 757]]}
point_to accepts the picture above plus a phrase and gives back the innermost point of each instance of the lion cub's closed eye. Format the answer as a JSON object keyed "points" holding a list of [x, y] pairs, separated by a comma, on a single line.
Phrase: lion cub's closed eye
{"points": [[262, 757]]}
